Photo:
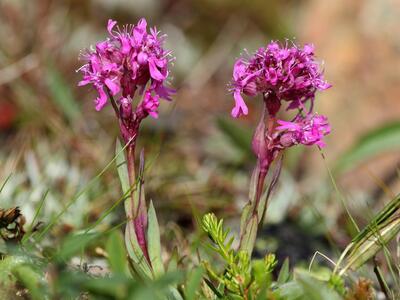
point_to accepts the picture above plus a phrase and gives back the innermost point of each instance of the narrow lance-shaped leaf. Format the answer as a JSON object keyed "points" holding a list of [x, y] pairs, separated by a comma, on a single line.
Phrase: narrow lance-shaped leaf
{"points": [[249, 207], [380, 230], [314, 289], [383, 139], [193, 283], [262, 208], [284, 274], [153, 242], [121, 167], [371, 244], [116, 253], [135, 253], [248, 239]]}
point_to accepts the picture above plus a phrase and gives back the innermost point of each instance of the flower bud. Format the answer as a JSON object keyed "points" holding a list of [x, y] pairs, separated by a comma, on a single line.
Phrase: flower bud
{"points": [[126, 108], [250, 89], [287, 140], [259, 144]]}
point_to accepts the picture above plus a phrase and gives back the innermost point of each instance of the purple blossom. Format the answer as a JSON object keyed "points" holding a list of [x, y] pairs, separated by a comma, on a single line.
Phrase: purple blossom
{"points": [[150, 104], [129, 60], [283, 72], [309, 130]]}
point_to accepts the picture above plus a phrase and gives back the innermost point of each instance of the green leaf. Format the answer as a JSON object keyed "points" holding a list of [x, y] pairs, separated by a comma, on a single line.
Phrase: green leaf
{"points": [[248, 238], [383, 139], [116, 253], [115, 286], [7, 264], [139, 261], [61, 93], [173, 261], [30, 280], [121, 167], [284, 274], [153, 242], [291, 290], [314, 289], [73, 244], [173, 294], [193, 283], [140, 264], [379, 231], [239, 135], [161, 288]]}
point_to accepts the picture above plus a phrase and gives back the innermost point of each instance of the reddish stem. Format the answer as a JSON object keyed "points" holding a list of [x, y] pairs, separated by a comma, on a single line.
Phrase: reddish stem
{"points": [[260, 187], [264, 164], [139, 217]]}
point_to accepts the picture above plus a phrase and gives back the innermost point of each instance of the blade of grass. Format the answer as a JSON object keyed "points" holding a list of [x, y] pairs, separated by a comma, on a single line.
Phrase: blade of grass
{"points": [[5, 182], [110, 209], [37, 212], [193, 283], [239, 136], [383, 139], [61, 94], [83, 191], [341, 197], [375, 236]]}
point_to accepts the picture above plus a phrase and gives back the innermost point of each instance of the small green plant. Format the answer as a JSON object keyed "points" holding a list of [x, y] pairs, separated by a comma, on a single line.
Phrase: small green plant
{"points": [[241, 278]]}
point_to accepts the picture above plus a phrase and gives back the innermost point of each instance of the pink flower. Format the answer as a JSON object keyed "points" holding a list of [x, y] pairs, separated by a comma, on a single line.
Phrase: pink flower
{"points": [[309, 130], [126, 62], [286, 73], [150, 104]]}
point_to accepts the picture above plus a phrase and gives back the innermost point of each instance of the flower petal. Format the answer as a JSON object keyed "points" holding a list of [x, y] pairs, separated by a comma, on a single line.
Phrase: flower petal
{"points": [[154, 72], [112, 86], [101, 100], [240, 106], [110, 26]]}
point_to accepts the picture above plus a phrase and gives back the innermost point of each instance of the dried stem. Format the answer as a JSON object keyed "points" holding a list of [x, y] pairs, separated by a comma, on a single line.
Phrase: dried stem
{"points": [[381, 281]]}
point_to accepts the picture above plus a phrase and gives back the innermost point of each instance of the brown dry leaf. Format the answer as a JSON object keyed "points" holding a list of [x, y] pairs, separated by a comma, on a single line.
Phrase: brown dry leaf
{"points": [[11, 224], [362, 290]]}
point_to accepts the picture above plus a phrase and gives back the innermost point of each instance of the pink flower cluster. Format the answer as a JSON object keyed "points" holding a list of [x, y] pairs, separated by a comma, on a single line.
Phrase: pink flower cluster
{"points": [[131, 60], [282, 73], [308, 130]]}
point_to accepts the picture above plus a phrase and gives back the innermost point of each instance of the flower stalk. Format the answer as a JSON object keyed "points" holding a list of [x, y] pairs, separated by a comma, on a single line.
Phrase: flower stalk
{"points": [[131, 62], [281, 74]]}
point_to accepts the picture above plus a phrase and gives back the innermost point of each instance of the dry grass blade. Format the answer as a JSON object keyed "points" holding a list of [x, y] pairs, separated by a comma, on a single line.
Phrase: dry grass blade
{"points": [[376, 235]]}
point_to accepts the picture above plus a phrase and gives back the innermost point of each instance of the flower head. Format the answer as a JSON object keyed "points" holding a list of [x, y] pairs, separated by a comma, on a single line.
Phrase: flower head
{"points": [[286, 73], [308, 130], [131, 59]]}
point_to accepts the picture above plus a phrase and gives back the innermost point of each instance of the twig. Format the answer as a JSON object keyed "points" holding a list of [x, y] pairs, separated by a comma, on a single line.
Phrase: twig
{"points": [[381, 281]]}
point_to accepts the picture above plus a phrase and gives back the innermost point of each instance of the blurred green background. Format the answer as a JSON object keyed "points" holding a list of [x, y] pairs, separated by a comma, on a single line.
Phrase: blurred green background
{"points": [[52, 139]]}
